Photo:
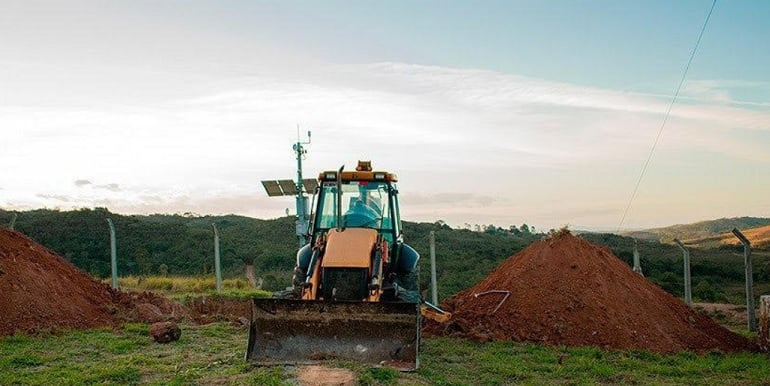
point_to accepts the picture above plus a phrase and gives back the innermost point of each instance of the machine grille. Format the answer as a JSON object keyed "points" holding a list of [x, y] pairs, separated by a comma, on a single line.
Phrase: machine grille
{"points": [[345, 283]]}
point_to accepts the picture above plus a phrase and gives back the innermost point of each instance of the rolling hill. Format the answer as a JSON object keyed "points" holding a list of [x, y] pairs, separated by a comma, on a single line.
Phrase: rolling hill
{"points": [[759, 237], [699, 230]]}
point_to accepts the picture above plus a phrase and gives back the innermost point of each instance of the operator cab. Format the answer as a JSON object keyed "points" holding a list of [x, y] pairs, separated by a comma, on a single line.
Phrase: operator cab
{"points": [[356, 214], [358, 199]]}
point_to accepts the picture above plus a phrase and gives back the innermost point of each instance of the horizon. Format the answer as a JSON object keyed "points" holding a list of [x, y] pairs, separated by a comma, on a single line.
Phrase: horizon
{"points": [[497, 113], [467, 226]]}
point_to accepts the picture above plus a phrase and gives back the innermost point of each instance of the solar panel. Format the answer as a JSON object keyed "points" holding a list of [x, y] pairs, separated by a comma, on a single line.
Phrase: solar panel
{"points": [[288, 186], [272, 188], [310, 185]]}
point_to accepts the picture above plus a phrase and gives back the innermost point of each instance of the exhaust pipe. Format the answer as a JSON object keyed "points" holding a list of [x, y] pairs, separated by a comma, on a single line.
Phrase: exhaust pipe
{"points": [[339, 199]]}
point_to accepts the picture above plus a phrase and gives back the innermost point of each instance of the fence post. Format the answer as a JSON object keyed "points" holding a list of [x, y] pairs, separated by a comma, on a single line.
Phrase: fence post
{"points": [[637, 260], [433, 286], [217, 265], [113, 254], [687, 277], [13, 222], [749, 280]]}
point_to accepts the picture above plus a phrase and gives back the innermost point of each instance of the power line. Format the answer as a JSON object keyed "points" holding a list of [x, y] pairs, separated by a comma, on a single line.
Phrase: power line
{"points": [[665, 117]]}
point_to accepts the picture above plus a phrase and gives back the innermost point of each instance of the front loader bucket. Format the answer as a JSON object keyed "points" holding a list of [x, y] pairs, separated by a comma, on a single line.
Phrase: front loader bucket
{"points": [[305, 331]]}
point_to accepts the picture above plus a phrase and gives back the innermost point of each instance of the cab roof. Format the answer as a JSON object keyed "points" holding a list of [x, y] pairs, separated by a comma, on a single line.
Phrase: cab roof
{"points": [[363, 172]]}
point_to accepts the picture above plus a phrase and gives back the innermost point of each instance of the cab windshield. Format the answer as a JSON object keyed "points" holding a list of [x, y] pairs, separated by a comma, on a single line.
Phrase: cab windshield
{"points": [[365, 204]]}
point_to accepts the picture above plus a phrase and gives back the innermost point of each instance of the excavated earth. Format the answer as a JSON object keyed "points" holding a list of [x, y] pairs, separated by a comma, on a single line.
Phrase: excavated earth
{"points": [[40, 291], [567, 291]]}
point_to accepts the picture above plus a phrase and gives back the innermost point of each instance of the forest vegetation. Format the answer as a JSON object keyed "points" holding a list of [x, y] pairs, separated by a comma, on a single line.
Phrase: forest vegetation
{"points": [[182, 245]]}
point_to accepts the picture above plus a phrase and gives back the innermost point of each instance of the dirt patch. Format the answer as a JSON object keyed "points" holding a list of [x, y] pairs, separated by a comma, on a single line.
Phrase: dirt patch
{"points": [[567, 291], [148, 307], [325, 376], [209, 309], [730, 315]]}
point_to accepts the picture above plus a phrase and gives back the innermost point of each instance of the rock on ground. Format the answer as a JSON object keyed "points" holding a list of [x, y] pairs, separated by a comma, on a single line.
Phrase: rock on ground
{"points": [[165, 332]]}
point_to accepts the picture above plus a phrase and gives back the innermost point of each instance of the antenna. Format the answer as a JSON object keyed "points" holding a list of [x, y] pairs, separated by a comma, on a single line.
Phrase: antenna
{"points": [[296, 188]]}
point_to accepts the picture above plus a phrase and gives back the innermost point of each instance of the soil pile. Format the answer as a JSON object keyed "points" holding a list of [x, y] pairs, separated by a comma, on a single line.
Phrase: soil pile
{"points": [[40, 291], [567, 291]]}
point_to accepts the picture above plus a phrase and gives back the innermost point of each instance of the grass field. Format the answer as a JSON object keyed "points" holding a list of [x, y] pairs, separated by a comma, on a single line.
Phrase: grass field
{"points": [[213, 354], [181, 287]]}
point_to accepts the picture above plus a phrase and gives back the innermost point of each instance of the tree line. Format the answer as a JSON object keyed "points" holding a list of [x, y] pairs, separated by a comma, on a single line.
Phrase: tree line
{"points": [[182, 244]]}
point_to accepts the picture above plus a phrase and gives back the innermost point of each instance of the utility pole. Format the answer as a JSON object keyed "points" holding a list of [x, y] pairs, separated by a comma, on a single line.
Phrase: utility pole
{"points": [[113, 254], [687, 278], [217, 262], [13, 222], [749, 280]]}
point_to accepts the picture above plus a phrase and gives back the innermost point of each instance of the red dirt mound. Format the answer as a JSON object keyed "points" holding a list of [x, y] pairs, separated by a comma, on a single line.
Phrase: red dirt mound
{"points": [[567, 291], [41, 291]]}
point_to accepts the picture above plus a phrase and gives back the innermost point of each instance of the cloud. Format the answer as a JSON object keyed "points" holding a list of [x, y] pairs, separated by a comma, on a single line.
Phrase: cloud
{"points": [[56, 197], [250, 204], [442, 199], [546, 122], [731, 92], [470, 144], [111, 187]]}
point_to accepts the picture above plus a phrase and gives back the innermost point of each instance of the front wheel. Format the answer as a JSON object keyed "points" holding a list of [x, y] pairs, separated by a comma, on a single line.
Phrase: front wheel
{"points": [[409, 286]]}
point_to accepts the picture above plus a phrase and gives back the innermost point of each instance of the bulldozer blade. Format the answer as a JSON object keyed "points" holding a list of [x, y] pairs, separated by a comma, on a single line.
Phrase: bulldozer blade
{"points": [[305, 331]]}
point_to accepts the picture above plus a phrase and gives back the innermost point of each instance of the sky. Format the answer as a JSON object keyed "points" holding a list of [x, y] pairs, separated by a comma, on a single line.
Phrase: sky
{"points": [[490, 112]]}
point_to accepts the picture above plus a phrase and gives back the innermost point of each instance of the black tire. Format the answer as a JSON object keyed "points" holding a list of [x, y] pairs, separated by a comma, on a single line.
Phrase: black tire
{"points": [[409, 286]]}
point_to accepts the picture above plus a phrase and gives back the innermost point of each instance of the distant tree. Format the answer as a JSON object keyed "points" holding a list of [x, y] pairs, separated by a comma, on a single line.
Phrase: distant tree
{"points": [[706, 292], [163, 270], [763, 274], [490, 229], [670, 282], [525, 228], [143, 261]]}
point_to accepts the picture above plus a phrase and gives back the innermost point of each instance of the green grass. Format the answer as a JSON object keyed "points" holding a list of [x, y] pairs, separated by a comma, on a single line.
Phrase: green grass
{"points": [[457, 362], [213, 354], [206, 354]]}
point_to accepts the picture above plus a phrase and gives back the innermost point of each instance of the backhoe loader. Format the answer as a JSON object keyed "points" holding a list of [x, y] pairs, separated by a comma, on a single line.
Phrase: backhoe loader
{"points": [[354, 294]]}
